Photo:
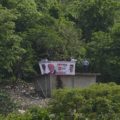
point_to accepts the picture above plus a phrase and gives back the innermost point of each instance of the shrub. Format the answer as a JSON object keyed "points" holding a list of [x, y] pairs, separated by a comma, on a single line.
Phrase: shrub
{"points": [[6, 104], [1, 117], [39, 113], [34, 113], [18, 116], [98, 102]]}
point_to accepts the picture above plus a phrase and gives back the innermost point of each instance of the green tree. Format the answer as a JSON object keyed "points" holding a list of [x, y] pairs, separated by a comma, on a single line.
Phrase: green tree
{"points": [[27, 17], [10, 43], [42, 5], [59, 40], [94, 16], [99, 53], [104, 55], [115, 54]]}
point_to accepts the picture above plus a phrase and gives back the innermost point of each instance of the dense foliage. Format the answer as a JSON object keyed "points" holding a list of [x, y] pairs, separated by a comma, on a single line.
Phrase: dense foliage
{"points": [[6, 104], [98, 102], [31, 30], [34, 113]]}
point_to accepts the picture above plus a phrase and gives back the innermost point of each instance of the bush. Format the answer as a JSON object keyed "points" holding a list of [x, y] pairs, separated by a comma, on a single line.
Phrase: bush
{"points": [[98, 102], [6, 104], [39, 113], [34, 113], [1, 117]]}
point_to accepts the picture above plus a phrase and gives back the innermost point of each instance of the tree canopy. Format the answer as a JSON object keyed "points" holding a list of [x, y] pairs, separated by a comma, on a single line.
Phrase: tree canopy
{"points": [[31, 30]]}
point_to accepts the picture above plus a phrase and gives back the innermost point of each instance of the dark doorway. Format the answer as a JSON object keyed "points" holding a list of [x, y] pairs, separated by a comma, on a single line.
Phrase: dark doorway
{"points": [[59, 83]]}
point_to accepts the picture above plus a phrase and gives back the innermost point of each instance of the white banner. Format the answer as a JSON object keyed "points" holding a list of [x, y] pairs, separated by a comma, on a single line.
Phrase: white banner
{"points": [[57, 67]]}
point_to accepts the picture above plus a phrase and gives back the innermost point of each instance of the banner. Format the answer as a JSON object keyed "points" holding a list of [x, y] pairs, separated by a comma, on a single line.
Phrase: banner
{"points": [[57, 67]]}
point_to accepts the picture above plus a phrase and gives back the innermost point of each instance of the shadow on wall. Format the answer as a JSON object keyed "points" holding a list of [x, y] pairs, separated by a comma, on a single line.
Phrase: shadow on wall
{"points": [[59, 83]]}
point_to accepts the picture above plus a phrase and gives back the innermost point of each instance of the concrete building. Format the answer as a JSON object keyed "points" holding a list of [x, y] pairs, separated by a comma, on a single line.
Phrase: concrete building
{"points": [[45, 84]]}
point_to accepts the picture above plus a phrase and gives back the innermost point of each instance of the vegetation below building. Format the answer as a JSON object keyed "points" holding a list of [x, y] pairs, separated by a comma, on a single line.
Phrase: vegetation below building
{"points": [[98, 102]]}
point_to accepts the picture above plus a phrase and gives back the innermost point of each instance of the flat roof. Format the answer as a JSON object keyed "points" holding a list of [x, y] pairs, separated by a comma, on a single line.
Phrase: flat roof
{"points": [[76, 74], [88, 74]]}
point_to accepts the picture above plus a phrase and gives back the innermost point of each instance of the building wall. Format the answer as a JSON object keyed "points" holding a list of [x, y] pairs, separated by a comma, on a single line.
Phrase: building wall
{"points": [[42, 85], [78, 81], [48, 83], [68, 81], [84, 81]]}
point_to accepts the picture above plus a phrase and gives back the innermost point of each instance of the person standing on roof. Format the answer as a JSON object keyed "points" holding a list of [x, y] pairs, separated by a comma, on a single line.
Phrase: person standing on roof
{"points": [[85, 65]]}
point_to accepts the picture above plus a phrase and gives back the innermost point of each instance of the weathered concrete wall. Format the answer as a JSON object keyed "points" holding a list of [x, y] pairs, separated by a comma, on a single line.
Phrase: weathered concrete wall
{"points": [[42, 85], [84, 81], [47, 83], [78, 81], [68, 81]]}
